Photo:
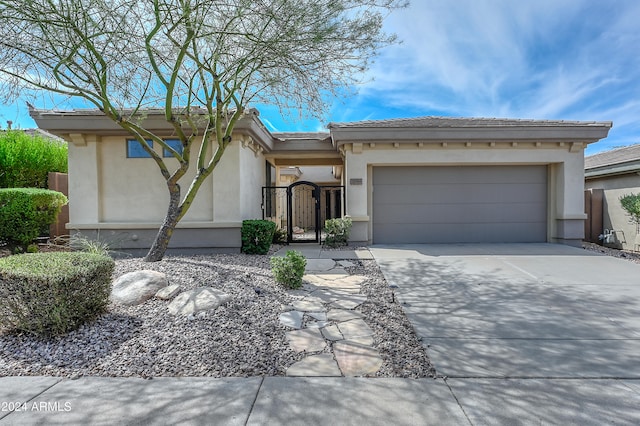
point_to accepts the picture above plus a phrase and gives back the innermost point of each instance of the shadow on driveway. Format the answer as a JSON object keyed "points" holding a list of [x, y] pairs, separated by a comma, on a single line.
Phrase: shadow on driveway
{"points": [[528, 311]]}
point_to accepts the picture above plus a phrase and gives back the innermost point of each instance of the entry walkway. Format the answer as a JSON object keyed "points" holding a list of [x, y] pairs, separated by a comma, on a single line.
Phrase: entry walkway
{"points": [[315, 251]]}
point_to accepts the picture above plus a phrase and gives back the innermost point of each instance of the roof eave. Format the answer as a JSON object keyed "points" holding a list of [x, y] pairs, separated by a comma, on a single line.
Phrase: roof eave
{"points": [[65, 123], [611, 170], [588, 133]]}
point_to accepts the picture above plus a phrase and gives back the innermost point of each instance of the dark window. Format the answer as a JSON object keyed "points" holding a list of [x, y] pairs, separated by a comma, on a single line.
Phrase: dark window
{"points": [[135, 150], [175, 144]]}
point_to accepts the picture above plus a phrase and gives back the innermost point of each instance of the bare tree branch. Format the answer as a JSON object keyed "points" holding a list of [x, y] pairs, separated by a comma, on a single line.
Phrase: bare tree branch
{"points": [[203, 62]]}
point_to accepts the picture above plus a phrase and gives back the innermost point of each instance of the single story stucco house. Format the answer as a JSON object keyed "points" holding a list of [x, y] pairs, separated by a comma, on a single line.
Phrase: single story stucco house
{"points": [[610, 175], [414, 180]]}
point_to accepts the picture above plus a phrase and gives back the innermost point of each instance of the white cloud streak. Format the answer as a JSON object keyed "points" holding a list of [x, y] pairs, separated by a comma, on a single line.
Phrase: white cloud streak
{"points": [[554, 59]]}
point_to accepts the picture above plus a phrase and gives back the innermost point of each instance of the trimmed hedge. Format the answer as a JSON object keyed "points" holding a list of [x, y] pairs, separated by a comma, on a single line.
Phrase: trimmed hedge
{"points": [[53, 293], [26, 160], [257, 236], [25, 213]]}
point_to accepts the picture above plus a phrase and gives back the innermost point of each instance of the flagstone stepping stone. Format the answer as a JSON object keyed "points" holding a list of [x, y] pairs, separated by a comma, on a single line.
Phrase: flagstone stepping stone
{"points": [[341, 315], [307, 340], [329, 296], [345, 263], [346, 284], [323, 278], [298, 294], [335, 271], [332, 332], [320, 316], [308, 305], [349, 302], [351, 280], [314, 280], [363, 340], [320, 265], [292, 319], [354, 328], [355, 359], [198, 300], [168, 292], [322, 365], [318, 324]]}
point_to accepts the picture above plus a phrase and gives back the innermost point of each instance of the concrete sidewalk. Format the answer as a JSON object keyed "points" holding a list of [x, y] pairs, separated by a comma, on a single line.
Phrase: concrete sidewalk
{"points": [[316, 401], [233, 401]]}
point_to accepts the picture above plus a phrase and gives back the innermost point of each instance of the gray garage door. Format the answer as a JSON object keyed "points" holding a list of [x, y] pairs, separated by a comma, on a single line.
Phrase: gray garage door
{"points": [[493, 204]]}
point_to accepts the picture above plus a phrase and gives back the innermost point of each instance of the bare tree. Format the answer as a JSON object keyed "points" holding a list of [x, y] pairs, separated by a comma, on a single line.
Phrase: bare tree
{"points": [[203, 62]]}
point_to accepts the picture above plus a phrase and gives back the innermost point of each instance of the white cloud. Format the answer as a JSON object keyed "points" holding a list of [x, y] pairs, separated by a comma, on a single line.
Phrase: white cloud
{"points": [[565, 59]]}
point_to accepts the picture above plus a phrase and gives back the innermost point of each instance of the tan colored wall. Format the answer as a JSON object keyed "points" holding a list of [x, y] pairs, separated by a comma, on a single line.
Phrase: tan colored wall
{"points": [[566, 173], [252, 177], [126, 198], [614, 216], [134, 191]]}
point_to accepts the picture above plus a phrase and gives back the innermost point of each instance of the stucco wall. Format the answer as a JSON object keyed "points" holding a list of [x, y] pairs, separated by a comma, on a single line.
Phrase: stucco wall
{"points": [[134, 191], [252, 177], [566, 174], [614, 217], [126, 198]]}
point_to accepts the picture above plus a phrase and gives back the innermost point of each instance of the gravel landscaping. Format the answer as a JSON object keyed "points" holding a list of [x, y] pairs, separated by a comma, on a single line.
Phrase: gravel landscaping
{"points": [[622, 254], [241, 338]]}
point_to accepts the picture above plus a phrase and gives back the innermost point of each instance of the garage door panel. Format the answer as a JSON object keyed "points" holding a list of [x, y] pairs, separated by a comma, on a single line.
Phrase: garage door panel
{"points": [[450, 193], [473, 233], [459, 204], [461, 213], [478, 174]]}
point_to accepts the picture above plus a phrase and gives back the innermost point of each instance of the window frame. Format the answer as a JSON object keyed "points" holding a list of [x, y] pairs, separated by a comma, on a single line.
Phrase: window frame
{"points": [[177, 147], [138, 151]]}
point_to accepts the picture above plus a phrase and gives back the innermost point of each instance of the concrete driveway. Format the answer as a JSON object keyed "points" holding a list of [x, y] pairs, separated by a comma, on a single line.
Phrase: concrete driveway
{"points": [[528, 327]]}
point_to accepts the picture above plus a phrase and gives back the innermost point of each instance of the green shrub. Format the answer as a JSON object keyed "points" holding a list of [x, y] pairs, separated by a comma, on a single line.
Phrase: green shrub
{"points": [[338, 231], [280, 236], [25, 213], [26, 160], [53, 293], [257, 236], [288, 270], [631, 204]]}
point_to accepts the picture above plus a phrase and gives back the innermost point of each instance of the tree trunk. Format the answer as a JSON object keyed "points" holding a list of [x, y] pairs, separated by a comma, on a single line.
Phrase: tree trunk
{"points": [[161, 242]]}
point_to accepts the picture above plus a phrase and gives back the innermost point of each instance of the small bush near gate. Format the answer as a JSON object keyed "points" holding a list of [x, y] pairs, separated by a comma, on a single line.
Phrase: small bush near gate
{"points": [[288, 270], [25, 213], [257, 236], [280, 236], [337, 231], [53, 293], [631, 204]]}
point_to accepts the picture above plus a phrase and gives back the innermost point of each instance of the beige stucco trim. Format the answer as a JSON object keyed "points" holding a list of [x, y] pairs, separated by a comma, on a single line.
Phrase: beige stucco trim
{"points": [[577, 216], [130, 225], [360, 218]]}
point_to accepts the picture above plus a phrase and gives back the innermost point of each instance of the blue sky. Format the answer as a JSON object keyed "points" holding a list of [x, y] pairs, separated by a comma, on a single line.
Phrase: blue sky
{"points": [[541, 59]]}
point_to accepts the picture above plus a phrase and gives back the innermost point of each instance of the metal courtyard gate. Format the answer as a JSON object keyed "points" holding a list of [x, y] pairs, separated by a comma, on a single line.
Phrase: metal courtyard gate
{"points": [[302, 208]]}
